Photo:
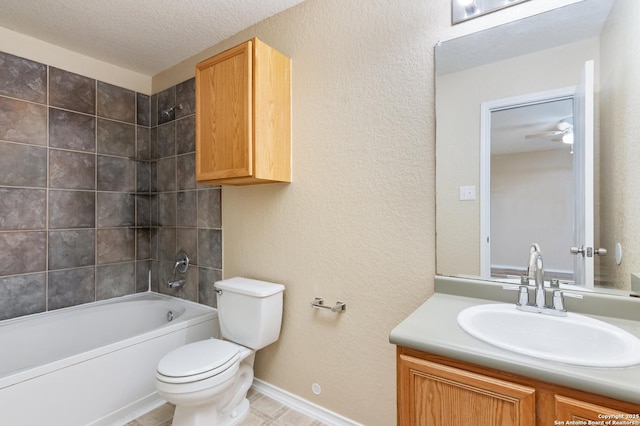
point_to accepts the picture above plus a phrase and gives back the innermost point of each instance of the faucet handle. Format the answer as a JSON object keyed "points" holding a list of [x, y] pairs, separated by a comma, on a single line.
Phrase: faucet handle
{"points": [[558, 299], [182, 263], [523, 293]]}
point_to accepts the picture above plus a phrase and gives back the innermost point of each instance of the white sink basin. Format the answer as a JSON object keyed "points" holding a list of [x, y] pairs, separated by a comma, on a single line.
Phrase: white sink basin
{"points": [[574, 339]]}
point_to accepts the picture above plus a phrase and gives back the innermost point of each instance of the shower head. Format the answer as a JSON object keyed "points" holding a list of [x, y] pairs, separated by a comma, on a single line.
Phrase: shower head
{"points": [[170, 113]]}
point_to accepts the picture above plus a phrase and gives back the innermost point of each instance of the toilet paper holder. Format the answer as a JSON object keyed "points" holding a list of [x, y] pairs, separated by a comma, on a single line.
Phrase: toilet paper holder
{"points": [[339, 307]]}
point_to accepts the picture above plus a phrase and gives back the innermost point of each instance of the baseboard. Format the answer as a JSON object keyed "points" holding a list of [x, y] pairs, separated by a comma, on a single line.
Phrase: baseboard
{"points": [[131, 411], [302, 405]]}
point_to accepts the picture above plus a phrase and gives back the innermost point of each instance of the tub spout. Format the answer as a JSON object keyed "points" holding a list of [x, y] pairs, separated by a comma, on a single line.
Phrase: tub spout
{"points": [[176, 283]]}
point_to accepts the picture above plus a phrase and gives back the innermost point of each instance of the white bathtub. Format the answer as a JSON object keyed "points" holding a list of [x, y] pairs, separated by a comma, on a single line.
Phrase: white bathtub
{"points": [[94, 363]]}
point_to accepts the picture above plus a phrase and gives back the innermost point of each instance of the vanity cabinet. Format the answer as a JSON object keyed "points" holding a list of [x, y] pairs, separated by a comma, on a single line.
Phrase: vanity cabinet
{"points": [[243, 116], [435, 394], [436, 391], [573, 409]]}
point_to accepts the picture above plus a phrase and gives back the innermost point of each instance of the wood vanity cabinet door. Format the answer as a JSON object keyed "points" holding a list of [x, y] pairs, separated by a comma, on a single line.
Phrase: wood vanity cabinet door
{"points": [[431, 394], [573, 409]]}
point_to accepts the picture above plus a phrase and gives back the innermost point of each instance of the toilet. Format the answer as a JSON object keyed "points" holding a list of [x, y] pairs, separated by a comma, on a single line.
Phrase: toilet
{"points": [[208, 380]]}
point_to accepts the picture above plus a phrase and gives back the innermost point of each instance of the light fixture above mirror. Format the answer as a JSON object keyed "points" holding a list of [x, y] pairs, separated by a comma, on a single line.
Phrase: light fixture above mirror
{"points": [[463, 10]]}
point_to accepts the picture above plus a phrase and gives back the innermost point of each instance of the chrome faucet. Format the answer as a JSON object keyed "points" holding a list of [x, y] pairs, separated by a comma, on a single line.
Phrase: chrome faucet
{"points": [[176, 283], [535, 271], [181, 266]]}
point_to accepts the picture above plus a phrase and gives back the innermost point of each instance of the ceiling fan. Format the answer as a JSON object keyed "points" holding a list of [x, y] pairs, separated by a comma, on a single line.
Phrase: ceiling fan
{"points": [[563, 133]]}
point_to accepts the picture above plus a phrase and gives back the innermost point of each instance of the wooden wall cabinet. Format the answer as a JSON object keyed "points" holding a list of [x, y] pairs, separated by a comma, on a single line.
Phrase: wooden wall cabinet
{"points": [[243, 116], [437, 391]]}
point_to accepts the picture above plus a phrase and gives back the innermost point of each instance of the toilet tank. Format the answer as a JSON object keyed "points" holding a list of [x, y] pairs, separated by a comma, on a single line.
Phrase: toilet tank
{"points": [[249, 311]]}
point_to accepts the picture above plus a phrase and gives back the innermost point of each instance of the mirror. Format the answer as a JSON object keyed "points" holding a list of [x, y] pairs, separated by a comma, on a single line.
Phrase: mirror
{"points": [[545, 53]]}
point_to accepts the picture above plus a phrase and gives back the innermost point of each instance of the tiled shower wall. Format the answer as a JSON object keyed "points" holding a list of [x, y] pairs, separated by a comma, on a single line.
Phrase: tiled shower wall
{"points": [[188, 214], [97, 189]]}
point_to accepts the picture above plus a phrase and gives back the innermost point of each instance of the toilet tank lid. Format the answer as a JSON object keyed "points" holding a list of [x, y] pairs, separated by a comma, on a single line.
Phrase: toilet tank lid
{"points": [[249, 286]]}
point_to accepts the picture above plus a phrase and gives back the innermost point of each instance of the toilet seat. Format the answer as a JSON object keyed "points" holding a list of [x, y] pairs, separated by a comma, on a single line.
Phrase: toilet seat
{"points": [[198, 361]]}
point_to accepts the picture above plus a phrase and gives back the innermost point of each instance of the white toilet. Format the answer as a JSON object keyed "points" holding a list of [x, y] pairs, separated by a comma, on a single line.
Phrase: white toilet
{"points": [[208, 380]]}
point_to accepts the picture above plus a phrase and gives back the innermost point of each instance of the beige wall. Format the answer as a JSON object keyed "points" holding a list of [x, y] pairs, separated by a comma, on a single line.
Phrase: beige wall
{"points": [[620, 97], [458, 103], [532, 201], [358, 222]]}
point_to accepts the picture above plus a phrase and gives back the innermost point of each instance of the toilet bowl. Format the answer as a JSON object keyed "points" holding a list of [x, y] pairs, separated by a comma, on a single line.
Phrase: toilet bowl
{"points": [[208, 380]]}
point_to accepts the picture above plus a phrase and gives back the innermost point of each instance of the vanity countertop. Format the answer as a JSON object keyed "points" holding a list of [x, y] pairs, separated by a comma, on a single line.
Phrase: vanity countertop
{"points": [[433, 328]]}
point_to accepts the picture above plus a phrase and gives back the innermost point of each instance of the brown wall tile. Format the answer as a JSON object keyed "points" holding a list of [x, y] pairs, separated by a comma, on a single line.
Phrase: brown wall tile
{"points": [[186, 97], [166, 140], [115, 280], [167, 174], [186, 135], [22, 252], [23, 122], [210, 208], [166, 100], [23, 165], [71, 130], [23, 79], [185, 175], [115, 245], [115, 209], [71, 248], [143, 141], [143, 109], [116, 103], [71, 287], [22, 208], [72, 170], [187, 209], [72, 209], [116, 174], [116, 138], [210, 248], [22, 295], [72, 91]]}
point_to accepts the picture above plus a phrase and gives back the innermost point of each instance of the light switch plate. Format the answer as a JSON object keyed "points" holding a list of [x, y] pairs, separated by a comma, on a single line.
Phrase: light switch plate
{"points": [[467, 193]]}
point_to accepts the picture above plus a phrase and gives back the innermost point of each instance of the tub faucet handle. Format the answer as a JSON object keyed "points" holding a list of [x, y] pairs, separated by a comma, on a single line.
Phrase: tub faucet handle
{"points": [[182, 263]]}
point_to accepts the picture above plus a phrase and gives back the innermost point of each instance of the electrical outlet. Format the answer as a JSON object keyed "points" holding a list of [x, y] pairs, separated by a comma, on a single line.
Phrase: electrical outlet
{"points": [[467, 193]]}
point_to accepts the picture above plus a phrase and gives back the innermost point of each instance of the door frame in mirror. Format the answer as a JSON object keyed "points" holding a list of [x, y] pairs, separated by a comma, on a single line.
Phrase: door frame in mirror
{"points": [[486, 108]]}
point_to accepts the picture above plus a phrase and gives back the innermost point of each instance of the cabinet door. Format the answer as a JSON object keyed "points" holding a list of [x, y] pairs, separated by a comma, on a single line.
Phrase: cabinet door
{"points": [[573, 409], [224, 115], [431, 394]]}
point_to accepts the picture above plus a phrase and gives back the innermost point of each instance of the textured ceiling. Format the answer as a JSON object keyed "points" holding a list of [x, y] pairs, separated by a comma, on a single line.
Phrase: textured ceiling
{"points": [[146, 36]]}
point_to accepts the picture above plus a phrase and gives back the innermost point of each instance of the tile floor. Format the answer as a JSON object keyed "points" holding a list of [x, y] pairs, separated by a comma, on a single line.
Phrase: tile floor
{"points": [[264, 411]]}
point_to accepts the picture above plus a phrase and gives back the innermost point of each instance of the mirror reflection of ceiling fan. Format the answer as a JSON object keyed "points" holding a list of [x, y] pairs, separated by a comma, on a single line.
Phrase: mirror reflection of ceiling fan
{"points": [[562, 133]]}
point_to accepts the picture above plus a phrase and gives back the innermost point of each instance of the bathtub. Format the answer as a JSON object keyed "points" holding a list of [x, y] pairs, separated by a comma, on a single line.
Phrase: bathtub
{"points": [[93, 364]]}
